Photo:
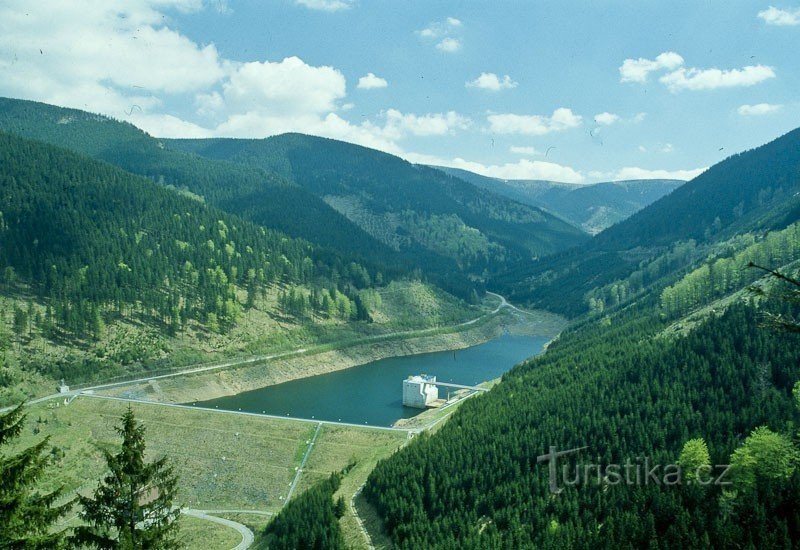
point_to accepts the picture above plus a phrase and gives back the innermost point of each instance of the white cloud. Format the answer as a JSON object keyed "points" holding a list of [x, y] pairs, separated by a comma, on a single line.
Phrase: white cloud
{"points": [[530, 151], [398, 125], [637, 70], [449, 45], [779, 17], [710, 79], [288, 87], [606, 118], [326, 5], [639, 117], [636, 173], [438, 29], [523, 169], [371, 82], [490, 81], [667, 148], [126, 54], [445, 33], [758, 109], [168, 126], [534, 125]]}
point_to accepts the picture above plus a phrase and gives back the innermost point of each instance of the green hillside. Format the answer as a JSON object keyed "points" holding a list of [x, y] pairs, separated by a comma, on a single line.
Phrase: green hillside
{"points": [[753, 191], [261, 197], [413, 209], [90, 253]]}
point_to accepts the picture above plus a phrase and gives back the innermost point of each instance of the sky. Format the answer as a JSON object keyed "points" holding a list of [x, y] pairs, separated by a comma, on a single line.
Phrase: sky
{"points": [[560, 90]]}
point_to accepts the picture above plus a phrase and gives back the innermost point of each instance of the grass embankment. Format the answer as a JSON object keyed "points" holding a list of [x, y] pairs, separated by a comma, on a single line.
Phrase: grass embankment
{"points": [[332, 357], [224, 461], [131, 347]]}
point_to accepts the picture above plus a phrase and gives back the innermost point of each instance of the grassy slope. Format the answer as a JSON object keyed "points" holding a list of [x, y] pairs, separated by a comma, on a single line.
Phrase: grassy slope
{"points": [[401, 306], [218, 469]]}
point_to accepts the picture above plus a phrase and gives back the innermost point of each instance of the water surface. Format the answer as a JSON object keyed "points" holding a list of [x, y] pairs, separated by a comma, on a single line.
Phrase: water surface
{"points": [[372, 393]]}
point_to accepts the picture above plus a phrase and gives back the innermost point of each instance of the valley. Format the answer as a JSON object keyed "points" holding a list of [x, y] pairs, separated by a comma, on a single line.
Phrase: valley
{"points": [[262, 344]]}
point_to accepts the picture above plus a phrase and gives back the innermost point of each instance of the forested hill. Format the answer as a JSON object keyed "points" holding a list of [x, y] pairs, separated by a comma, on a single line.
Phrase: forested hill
{"points": [[751, 192], [720, 395], [593, 207], [408, 207], [759, 188], [94, 242], [261, 197]]}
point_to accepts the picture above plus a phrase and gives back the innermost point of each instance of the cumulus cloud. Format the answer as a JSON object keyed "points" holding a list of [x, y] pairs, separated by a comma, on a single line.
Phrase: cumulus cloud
{"points": [[779, 17], [371, 82], [636, 173], [606, 118], [444, 33], [490, 81], [534, 125], [126, 55], [325, 5], [288, 87], [710, 79], [398, 124], [681, 78], [758, 109], [524, 150], [637, 70]]}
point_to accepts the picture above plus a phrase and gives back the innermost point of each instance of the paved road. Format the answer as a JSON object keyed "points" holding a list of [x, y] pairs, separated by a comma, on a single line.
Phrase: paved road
{"points": [[244, 413], [247, 535], [505, 303], [260, 358]]}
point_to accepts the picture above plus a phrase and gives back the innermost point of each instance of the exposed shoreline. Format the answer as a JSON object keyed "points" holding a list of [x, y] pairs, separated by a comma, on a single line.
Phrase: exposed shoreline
{"points": [[210, 385]]}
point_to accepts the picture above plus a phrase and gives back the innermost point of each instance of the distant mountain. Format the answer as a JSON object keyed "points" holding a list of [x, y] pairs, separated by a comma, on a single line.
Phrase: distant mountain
{"points": [[753, 191], [592, 207], [410, 208]]}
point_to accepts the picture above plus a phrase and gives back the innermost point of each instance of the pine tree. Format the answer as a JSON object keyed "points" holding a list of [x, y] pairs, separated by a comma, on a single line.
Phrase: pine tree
{"points": [[25, 515], [133, 506]]}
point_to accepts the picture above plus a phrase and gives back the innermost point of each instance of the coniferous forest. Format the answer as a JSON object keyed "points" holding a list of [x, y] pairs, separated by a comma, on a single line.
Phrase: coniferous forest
{"points": [[674, 391]]}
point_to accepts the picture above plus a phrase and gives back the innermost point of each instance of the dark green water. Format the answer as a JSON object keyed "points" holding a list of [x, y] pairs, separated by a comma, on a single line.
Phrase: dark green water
{"points": [[372, 393]]}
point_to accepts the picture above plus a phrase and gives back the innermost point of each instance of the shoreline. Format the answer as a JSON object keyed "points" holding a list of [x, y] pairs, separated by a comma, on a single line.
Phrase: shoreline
{"points": [[203, 386]]}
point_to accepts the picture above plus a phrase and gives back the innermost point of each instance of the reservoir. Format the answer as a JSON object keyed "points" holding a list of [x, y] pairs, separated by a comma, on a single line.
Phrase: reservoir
{"points": [[372, 393]]}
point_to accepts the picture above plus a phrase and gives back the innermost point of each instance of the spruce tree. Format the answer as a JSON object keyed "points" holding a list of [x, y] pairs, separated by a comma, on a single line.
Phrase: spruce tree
{"points": [[133, 506], [25, 514]]}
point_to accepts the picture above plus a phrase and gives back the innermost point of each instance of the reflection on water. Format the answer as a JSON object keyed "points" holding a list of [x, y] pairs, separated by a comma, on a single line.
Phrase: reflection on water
{"points": [[371, 393]]}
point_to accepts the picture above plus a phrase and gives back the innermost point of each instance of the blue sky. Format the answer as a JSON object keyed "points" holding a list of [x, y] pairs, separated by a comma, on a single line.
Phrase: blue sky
{"points": [[571, 91]]}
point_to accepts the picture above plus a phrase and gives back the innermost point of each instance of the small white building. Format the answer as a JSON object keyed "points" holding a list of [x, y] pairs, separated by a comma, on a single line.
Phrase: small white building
{"points": [[420, 391]]}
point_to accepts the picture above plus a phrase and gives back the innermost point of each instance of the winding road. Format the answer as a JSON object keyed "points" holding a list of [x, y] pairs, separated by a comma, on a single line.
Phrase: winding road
{"points": [[247, 535], [260, 358]]}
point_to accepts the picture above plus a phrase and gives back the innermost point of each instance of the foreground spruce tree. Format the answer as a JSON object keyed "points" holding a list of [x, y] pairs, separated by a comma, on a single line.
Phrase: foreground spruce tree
{"points": [[25, 515], [133, 506]]}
